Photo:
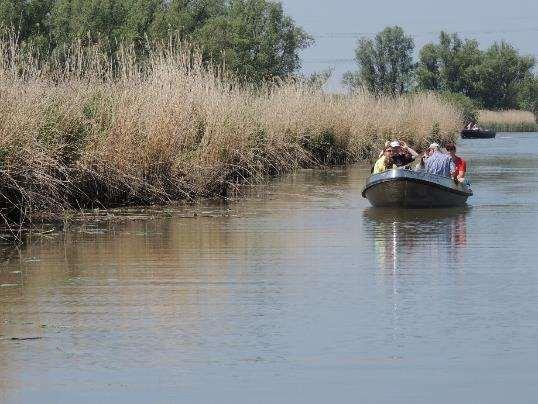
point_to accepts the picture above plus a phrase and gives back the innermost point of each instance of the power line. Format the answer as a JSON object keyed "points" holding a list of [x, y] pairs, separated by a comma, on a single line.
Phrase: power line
{"points": [[340, 61], [357, 35], [329, 61]]}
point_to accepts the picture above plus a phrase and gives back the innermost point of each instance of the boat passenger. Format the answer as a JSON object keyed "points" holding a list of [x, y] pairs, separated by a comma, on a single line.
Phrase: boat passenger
{"points": [[382, 152], [402, 155], [439, 163], [385, 162], [421, 161], [461, 165]]}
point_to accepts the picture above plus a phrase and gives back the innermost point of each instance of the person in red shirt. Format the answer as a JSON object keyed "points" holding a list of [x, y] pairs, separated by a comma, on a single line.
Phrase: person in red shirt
{"points": [[461, 165]]}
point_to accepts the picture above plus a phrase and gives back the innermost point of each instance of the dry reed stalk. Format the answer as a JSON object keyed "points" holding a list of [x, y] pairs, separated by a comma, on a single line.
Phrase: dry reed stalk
{"points": [[508, 121], [90, 132]]}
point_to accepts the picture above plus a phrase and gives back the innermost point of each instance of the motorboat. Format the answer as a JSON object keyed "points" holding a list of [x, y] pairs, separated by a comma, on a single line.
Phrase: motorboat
{"points": [[405, 188], [477, 134]]}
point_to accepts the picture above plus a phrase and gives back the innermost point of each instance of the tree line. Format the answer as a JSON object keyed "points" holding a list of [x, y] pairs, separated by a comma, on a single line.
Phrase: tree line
{"points": [[495, 78], [257, 41], [253, 38]]}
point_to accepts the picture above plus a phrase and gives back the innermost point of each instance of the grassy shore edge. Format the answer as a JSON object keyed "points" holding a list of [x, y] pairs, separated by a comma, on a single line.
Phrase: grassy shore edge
{"points": [[508, 121], [88, 133]]}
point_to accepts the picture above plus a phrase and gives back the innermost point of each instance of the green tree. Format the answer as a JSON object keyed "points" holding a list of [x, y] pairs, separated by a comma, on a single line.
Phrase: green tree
{"points": [[449, 66], [12, 15], [89, 21], [428, 70], [39, 23], [493, 78], [28, 21], [528, 95], [255, 40], [137, 19], [184, 18], [464, 104], [385, 63], [502, 74]]}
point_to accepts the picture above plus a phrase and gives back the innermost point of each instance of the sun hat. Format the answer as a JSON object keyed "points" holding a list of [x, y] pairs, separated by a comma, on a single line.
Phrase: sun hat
{"points": [[434, 146], [395, 143]]}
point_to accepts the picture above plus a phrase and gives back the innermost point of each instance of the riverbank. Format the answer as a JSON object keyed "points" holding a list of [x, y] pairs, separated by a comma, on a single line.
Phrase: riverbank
{"points": [[87, 132], [508, 121]]}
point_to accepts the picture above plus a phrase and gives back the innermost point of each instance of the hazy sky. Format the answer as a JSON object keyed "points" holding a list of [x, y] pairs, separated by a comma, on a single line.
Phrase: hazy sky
{"points": [[336, 25]]}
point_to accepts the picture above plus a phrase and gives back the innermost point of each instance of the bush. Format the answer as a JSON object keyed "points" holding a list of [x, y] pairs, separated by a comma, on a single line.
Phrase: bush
{"points": [[468, 108]]}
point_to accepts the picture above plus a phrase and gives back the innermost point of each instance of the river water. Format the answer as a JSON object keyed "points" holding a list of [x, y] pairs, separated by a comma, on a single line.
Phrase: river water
{"points": [[299, 292]]}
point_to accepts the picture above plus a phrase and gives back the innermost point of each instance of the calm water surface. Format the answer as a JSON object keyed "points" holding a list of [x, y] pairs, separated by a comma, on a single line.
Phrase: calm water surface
{"points": [[298, 293]]}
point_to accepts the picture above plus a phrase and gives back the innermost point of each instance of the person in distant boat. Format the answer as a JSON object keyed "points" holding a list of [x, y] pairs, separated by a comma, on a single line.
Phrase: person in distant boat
{"points": [[439, 163], [402, 155], [384, 162], [460, 164], [469, 126], [475, 127]]}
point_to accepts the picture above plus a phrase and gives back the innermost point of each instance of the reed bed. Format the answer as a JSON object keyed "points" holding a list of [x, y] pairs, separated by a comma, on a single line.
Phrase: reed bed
{"points": [[87, 132], [508, 121]]}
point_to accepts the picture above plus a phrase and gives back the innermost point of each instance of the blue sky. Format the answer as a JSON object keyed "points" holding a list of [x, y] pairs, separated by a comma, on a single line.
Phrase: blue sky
{"points": [[337, 24]]}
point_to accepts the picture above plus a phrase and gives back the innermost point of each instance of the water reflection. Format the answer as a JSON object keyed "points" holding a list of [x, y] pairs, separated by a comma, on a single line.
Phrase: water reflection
{"points": [[421, 237], [281, 292], [411, 246]]}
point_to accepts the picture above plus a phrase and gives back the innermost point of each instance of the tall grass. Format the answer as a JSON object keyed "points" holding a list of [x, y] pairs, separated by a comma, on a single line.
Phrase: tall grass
{"points": [[508, 121], [87, 131]]}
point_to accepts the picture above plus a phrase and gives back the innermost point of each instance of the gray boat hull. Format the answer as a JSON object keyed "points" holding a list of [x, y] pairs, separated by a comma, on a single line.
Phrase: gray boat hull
{"points": [[414, 189]]}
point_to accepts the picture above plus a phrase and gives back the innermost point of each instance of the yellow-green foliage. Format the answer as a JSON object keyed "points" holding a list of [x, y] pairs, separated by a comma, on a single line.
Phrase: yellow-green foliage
{"points": [[85, 132], [508, 121]]}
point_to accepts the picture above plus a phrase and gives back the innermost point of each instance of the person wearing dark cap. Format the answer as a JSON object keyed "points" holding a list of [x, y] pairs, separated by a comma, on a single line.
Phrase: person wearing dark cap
{"points": [[460, 164]]}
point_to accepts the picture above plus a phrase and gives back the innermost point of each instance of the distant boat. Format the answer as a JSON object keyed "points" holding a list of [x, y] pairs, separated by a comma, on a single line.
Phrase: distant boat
{"points": [[477, 134], [414, 189]]}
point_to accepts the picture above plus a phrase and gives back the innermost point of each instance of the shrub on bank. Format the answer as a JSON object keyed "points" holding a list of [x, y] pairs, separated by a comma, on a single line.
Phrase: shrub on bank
{"points": [[466, 105], [90, 132]]}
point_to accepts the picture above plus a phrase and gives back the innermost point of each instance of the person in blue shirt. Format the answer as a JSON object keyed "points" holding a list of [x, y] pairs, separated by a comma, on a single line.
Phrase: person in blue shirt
{"points": [[439, 163]]}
